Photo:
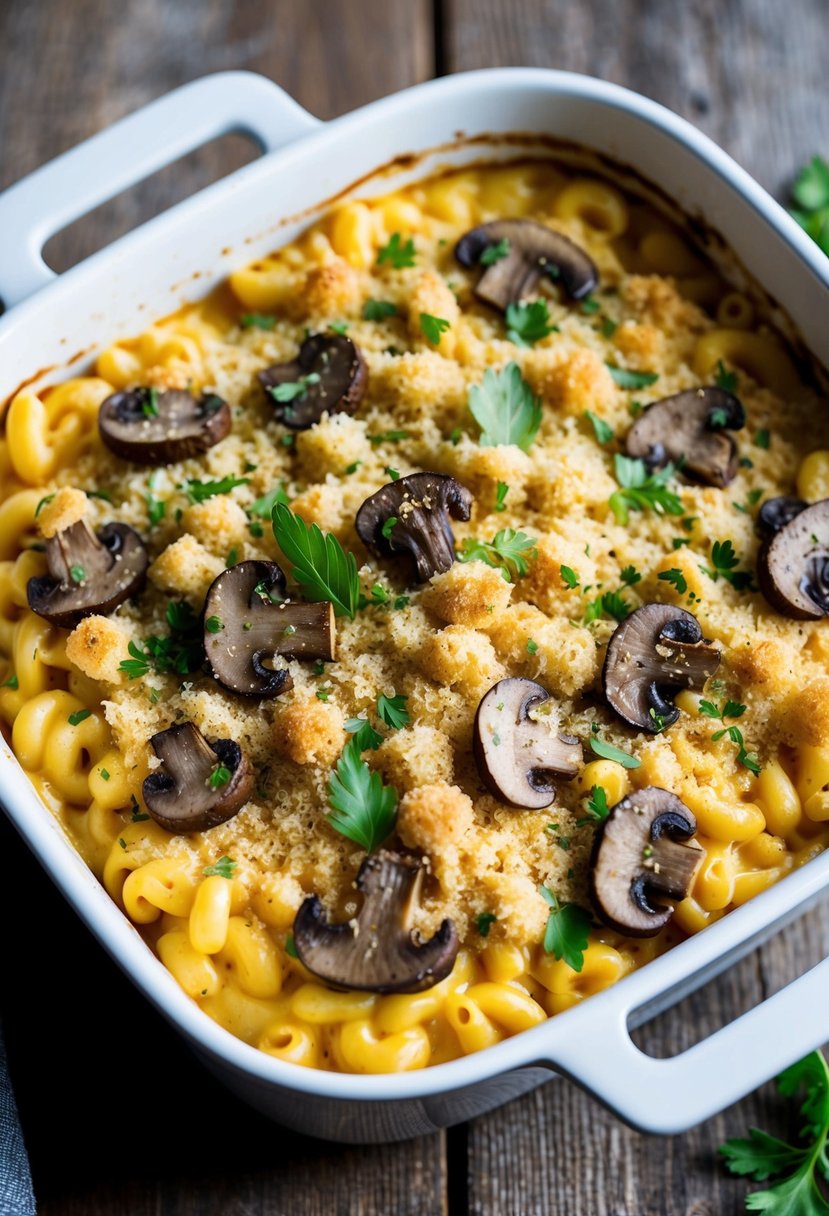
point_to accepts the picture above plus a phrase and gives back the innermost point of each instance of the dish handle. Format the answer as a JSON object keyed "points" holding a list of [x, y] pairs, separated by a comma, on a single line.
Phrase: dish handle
{"points": [[666, 1096], [34, 209]]}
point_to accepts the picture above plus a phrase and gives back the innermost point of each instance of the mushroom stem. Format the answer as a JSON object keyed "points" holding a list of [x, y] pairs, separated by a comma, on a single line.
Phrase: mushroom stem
{"points": [[199, 784], [411, 516]]}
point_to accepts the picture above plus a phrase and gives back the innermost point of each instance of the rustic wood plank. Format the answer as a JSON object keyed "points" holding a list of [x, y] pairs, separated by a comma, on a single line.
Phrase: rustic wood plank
{"points": [[752, 75], [166, 1138]]}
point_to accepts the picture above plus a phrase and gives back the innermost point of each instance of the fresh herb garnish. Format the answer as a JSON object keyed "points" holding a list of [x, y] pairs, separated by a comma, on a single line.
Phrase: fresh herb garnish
{"points": [[608, 752], [529, 323], [388, 527], [263, 507], [393, 710], [723, 565], [366, 738], [181, 652], [505, 408], [432, 327], [589, 305], [609, 603], [364, 809], [725, 379], [501, 491], [200, 491], [398, 254], [321, 566], [532, 646], [293, 390], [630, 380], [596, 807], [47, 498], [495, 252], [731, 709], [676, 578], [762, 439], [608, 328], [630, 576], [214, 624], [569, 577], [12, 682], [338, 327], [388, 437], [156, 507], [601, 429], [77, 574], [224, 868], [378, 310], [811, 193], [804, 1165], [220, 777], [79, 716], [484, 922], [568, 931], [642, 490], [290, 947], [508, 551], [256, 320]]}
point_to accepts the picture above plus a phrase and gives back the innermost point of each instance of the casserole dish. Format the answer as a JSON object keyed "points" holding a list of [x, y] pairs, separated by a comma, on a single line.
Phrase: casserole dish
{"points": [[182, 255]]}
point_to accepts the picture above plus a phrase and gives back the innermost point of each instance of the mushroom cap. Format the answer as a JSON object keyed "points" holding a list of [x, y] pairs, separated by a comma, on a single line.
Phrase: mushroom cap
{"points": [[776, 512], [256, 627], [689, 429], [643, 855], [178, 795], [184, 425], [114, 565], [517, 747], [334, 374], [793, 563], [421, 504], [653, 654], [534, 250], [377, 951]]}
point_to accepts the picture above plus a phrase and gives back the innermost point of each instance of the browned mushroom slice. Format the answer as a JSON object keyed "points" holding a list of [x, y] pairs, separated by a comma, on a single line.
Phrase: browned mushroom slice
{"points": [[148, 426], [793, 563], [328, 375], [200, 784], [88, 573], [530, 250], [411, 515], [653, 654], [377, 951], [643, 855], [517, 746], [775, 513], [247, 627], [689, 429]]}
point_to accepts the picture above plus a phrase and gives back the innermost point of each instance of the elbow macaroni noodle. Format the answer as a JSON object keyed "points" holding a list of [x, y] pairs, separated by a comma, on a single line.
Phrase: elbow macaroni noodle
{"points": [[224, 938]]}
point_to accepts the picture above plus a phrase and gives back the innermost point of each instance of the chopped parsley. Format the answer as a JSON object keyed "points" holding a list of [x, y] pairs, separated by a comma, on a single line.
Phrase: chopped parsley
{"points": [[388, 527], [388, 437], [393, 710], [731, 709], [601, 429], [501, 491], [263, 507], [508, 551], [723, 565], [156, 507], [486, 920], [596, 807], [320, 565], [223, 868], [378, 310], [397, 253], [631, 380], [363, 808], [182, 651], [569, 577], [589, 305], [505, 408], [608, 752], [630, 576], [676, 578], [293, 390], [338, 327], [256, 320], [567, 932], [642, 490], [529, 323], [495, 252], [77, 574], [290, 946], [220, 777], [725, 379], [200, 491], [762, 439], [79, 716], [432, 327], [609, 603], [532, 646], [214, 624], [366, 738], [12, 682]]}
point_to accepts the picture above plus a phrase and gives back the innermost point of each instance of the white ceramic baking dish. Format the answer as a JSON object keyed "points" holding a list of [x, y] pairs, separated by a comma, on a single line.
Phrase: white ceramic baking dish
{"points": [[183, 253]]}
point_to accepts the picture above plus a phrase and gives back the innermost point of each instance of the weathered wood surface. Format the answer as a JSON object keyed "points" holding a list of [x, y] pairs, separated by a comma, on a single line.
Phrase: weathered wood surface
{"points": [[161, 1136]]}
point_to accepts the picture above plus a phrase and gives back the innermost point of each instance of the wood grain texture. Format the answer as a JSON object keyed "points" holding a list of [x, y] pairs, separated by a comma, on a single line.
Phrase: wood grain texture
{"points": [[165, 1138]]}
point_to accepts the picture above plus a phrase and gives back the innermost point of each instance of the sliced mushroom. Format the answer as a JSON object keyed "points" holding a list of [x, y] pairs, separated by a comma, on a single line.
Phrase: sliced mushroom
{"points": [[643, 855], [329, 374], [148, 426], [775, 513], [377, 951], [531, 250], [247, 626], [793, 563], [689, 429], [411, 516], [653, 654], [88, 573], [517, 746], [199, 784]]}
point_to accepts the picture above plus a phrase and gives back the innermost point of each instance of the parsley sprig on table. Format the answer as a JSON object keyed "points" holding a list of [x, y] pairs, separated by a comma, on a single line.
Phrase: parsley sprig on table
{"points": [[364, 809], [811, 194], [641, 490], [529, 323], [508, 551], [321, 566], [798, 1166], [505, 408], [567, 931]]}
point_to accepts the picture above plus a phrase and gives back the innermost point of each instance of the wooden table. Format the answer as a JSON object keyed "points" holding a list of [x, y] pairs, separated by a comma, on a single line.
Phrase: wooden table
{"points": [[118, 1118]]}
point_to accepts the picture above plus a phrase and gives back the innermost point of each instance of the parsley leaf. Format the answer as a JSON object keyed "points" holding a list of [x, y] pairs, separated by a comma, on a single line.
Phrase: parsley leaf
{"points": [[596, 806], [762, 439], [321, 566], [393, 710], [724, 379], [811, 193], [387, 437], [628, 379], [256, 320], [501, 491], [293, 390], [366, 738], [676, 578], [641, 490], [569, 577], [723, 565], [156, 507], [181, 652], [608, 752], [399, 255], [263, 507], [567, 932], [761, 1156], [609, 603], [364, 809], [495, 252], [378, 310], [79, 716], [529, 323], [432, 327], [601, 429], [199, 491], [630, 576], [484, 922], [508, 551], [224, 868], [505, 408]]}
